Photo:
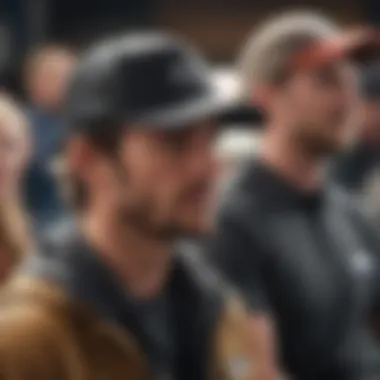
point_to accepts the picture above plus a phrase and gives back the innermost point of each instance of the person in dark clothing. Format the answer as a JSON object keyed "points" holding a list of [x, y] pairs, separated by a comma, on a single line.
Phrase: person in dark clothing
{"points": [[46, 75], [116, 298], [356, 170], [301, 253]]}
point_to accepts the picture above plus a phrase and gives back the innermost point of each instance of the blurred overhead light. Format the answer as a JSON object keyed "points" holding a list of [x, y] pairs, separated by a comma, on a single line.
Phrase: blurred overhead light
{"points": [[227, 80]]}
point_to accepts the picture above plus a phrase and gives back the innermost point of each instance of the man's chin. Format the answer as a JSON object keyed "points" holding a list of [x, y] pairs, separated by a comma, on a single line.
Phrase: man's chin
{"points": [[194, 228], [180, 231], [324, 147]]}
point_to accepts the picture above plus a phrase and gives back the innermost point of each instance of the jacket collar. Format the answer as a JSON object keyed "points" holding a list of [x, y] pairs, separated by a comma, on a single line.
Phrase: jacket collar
{"points": [[77, 269]]}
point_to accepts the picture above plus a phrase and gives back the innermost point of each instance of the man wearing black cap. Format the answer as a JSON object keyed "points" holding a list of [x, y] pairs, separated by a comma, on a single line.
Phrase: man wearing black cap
{"points": [[300, 253], [356, 169], [111, 300]]}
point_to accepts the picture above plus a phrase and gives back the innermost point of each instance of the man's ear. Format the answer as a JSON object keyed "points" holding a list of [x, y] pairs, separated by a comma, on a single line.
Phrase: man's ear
{"points": [[80, 157]]}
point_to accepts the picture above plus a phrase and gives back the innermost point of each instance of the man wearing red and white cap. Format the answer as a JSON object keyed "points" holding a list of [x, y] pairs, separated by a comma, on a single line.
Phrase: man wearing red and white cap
{"points": [[301, 254]]}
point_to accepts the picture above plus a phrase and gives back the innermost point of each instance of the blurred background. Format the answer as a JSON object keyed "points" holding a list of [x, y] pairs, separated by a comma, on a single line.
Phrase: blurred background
{"points": [[40, 39], [217, 27]]}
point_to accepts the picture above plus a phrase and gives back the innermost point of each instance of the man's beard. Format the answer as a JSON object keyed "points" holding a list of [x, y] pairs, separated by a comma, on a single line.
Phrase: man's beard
{"points": [[137, 215], [138, 218], [317, 147]]}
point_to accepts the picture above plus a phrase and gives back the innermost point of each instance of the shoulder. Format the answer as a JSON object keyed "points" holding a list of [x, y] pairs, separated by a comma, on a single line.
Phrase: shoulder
{"points": [[29, 303], [25, 321], [240, 223], [35, 338], [242, 199]]}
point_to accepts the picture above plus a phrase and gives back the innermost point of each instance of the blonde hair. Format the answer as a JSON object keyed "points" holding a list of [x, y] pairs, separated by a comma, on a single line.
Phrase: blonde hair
{"points": [[14, 226], [14, 231]]}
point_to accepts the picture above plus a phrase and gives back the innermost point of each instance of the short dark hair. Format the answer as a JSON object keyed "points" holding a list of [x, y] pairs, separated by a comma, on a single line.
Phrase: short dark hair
{"points": [[104, 139]]}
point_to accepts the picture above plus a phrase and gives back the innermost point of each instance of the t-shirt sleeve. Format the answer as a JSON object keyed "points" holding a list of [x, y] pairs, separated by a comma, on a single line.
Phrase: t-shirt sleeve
{"points": [[233, 252]]}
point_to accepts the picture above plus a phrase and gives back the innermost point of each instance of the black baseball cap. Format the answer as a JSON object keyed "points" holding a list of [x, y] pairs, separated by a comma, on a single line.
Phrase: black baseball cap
{"points": [[149, 80]]}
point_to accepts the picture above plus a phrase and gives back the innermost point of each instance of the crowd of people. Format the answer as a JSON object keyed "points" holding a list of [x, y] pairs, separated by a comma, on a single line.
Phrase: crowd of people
{"points": [[128, 251], [39, 116]]}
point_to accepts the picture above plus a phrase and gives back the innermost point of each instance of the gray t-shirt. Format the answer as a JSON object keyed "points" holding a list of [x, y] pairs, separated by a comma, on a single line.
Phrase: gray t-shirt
{"points": [[311, 262], [157, 318]]}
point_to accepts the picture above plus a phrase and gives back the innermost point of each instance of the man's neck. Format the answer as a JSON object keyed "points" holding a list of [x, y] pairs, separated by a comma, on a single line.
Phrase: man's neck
{"points": [[141, 264], [301, 170]]}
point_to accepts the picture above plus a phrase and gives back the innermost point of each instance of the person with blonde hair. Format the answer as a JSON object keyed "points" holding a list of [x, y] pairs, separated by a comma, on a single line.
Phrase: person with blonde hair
{"points": [[15, 241]]}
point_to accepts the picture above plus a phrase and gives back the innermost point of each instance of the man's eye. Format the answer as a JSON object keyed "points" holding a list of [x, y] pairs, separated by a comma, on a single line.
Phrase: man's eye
{"points": [[178, 145], [178, 142]]}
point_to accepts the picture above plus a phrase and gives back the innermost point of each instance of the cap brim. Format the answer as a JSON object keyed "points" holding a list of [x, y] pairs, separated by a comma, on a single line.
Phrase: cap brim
{"points": [[361, 45], [219, 103], [183, 115]]}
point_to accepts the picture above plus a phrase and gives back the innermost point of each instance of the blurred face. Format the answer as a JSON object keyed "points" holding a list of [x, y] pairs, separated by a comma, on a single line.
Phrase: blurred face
{"points": [[48, 78], [319, 107], [161, 181], [14, 152]]}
